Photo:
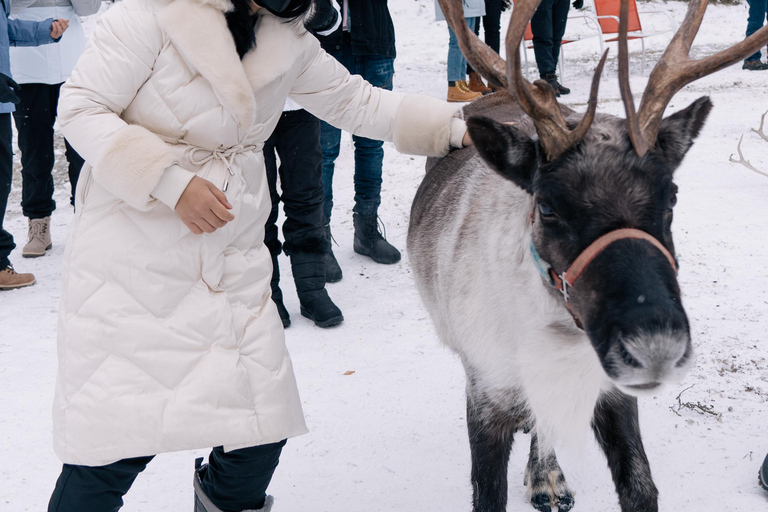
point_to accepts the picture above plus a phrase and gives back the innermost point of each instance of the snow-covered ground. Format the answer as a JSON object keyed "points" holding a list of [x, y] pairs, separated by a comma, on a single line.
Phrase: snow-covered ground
{"points": [[391, 436]]}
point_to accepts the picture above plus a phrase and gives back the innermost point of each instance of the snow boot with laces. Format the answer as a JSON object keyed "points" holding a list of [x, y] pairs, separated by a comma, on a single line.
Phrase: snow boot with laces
{"points": [[370, 242], [9, 279], [308, 264], [204, 504], [39, 238]]}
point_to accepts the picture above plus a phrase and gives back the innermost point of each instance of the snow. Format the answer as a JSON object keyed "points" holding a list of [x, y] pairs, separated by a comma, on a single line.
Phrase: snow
{"points": [[392, 435]]}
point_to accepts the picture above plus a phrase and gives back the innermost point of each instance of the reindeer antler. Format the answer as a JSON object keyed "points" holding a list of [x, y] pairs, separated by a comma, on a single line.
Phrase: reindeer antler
{"points": [[743, 161], [538, 100], [674, 71]]}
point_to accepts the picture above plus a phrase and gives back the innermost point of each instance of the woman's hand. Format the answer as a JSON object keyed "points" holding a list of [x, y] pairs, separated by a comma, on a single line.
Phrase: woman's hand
{"points": [[58, 27], [203, 208], [467, 140]]}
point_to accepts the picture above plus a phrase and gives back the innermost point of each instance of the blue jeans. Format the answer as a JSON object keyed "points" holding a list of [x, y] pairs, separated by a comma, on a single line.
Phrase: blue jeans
{"points": [[457, 64], [758, 13], [369, 154]]}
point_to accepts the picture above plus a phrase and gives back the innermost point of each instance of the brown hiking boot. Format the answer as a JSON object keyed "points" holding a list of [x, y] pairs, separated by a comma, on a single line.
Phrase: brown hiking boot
{"points": [[476, 84], [9, 279], [460, 93], [39, 238]]}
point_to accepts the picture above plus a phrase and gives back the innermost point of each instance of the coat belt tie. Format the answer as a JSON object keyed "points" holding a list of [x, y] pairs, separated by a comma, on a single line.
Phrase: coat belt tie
{"points": [[201, 156]]}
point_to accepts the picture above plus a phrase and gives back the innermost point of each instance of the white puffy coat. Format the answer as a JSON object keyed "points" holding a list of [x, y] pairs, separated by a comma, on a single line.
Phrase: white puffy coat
{"points": [[168, 340]]}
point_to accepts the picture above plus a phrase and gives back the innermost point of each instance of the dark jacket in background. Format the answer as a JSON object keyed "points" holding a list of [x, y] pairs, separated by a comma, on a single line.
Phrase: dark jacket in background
{"points": [[371, 30]]}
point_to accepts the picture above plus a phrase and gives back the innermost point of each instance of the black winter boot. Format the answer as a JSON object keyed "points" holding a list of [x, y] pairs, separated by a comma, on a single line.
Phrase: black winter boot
{"points": [[332, 269], [204, 504], [559, 88], [308, 264], [762, 474], [277, 293], [369, 241]]}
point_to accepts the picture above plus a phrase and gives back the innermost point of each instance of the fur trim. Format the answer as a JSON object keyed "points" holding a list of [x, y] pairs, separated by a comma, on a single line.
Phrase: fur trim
{"points": [[313, 245], [132, 165], [423, 125], [221, 5], [200, 34], [277, 46]]}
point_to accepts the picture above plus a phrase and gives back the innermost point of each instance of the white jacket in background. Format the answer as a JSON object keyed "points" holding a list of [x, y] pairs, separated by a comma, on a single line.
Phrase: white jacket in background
{"points": [[168, 340], [52, 63]]}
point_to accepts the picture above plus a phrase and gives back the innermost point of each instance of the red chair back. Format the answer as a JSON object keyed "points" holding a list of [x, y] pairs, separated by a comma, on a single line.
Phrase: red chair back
{"points": [[611, 8]]}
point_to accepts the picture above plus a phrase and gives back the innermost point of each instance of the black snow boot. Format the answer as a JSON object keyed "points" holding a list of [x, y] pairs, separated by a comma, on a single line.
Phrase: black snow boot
{"points": [[762, 474], [332, 269], [559, 88], [308, 264], [204, 504], [277, 293], [369, 241]]}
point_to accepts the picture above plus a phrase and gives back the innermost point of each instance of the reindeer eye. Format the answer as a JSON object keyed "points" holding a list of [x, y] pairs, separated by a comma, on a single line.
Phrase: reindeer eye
{"points": [[545, 210]]}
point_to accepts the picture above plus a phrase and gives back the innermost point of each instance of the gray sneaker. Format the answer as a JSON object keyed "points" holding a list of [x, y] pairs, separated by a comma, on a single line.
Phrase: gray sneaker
{"points": [[39, 238]]}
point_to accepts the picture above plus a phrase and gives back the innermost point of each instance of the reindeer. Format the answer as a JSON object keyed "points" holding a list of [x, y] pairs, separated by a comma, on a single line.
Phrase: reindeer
{"points": [[544, 256]]}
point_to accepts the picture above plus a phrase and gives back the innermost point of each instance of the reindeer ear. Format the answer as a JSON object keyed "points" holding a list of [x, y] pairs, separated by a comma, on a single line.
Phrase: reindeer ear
{"points": [[677, 132], [506, 149]]}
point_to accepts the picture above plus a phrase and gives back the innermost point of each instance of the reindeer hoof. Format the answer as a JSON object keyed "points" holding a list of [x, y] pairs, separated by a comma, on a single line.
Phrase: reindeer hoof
{"points": [[541, 502], [565, 503]]}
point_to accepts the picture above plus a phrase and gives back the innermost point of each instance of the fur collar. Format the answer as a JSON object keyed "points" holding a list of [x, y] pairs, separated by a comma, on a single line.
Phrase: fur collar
{"points": [[199, 32]]}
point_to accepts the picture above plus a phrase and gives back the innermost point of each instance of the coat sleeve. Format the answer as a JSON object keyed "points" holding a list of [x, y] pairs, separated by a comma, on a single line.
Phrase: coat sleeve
{"points": [[30, 33], [86, 7], [128, 160], [417, 124]]}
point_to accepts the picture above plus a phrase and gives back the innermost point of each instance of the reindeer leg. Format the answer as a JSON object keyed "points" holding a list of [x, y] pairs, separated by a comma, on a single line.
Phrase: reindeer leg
{"points": [[617, 430], [491, 429], [545, 480]]}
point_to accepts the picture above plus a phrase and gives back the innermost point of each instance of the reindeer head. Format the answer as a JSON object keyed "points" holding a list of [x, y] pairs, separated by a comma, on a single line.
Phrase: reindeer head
{"points": [[598, 176]]}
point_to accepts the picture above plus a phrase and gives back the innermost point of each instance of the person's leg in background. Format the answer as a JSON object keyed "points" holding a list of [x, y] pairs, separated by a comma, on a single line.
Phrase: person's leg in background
{"points": [[74, 160], [237, 480], [8, 277], [546, 42], [95, 489], [35, 116], [491, 27], [270, 228], [330, 144], [304, 229], [758, 11], [458, 89], [369, 161], [559, 21]]}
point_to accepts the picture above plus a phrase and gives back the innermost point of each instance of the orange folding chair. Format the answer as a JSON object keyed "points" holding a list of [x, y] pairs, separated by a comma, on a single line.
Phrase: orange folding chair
{"points": [[607, 14]]}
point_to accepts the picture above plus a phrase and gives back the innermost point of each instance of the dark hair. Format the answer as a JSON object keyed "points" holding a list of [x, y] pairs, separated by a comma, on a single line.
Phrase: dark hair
{"points": [[295, 9], [241, 22]]}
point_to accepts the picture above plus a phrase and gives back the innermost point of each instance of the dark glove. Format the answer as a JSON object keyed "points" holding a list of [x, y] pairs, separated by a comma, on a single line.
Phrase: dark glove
{"points": [[578, 4], [506, 4], [323, 18], [7, 90]]}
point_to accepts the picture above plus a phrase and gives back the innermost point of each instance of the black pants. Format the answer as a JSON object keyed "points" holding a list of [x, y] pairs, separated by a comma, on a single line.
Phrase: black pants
{"points": [[491, 26], [296, 140], [234, 481], [35, 116], [6, 177], [548, 27]]}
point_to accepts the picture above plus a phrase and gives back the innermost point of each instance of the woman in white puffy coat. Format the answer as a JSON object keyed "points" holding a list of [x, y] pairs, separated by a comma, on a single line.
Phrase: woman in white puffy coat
{"points": [[168, 339]]}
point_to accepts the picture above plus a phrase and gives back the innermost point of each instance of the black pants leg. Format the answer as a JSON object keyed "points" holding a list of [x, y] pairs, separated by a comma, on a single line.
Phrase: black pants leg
{"points": [[297, 142], [35, 116], [238, 480], [548, 27], [234, 481], [95, 489], [6, 177]]}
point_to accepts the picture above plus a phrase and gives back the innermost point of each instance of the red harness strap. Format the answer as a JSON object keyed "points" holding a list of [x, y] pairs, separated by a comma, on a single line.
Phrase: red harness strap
{"points": [[568, 278]]}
